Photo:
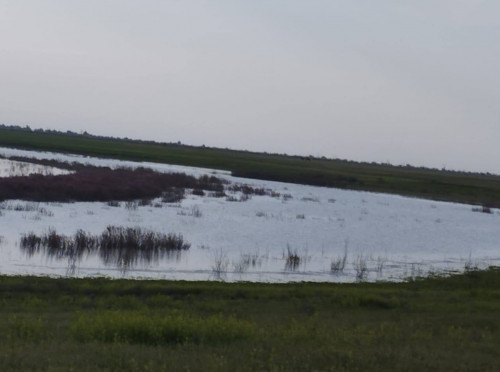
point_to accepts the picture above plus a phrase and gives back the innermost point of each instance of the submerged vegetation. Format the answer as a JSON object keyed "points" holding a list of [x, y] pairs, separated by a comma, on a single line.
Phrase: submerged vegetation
{"points": [[439, 324]]}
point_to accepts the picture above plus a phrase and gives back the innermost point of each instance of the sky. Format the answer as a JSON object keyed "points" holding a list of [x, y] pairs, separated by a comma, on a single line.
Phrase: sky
{"points": [[402, 82]]}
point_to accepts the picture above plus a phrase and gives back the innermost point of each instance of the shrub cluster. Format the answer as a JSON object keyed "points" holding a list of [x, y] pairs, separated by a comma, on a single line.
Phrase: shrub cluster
{"points": [[211, 183], [483, 209], [249, 190], [173, 195]]}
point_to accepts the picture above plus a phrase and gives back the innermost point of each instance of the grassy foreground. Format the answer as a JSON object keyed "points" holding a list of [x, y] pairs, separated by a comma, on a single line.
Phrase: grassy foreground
{"points": [[481, 189], [438, 324]]}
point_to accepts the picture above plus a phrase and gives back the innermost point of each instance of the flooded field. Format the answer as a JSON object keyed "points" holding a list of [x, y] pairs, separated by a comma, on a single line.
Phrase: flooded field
{"points": [[289, 233], [12, 168]]}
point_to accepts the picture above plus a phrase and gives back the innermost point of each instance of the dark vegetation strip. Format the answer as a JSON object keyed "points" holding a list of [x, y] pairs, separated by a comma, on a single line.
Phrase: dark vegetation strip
{"points": [[473, 188], [439, 324], [104, 184]]}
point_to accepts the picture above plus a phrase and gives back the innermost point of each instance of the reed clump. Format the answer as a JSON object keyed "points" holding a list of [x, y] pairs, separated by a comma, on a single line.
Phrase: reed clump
{"points": [[123, 246]]}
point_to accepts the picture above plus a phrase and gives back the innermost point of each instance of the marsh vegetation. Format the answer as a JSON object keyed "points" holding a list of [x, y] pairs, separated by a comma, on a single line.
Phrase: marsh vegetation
{"points": [[105, 184], [119, 246]]}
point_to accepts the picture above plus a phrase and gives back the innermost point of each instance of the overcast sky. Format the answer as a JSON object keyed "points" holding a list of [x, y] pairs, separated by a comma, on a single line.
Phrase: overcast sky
{"points": [[389, 81]]}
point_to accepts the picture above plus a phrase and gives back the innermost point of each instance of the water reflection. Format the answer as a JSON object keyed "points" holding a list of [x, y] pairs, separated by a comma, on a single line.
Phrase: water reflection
{"points": [[126, 258], [123, 248]]}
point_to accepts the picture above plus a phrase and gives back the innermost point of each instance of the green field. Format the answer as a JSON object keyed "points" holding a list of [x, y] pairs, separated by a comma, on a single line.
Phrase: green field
{"points": [[480, 189], [435, 324]]}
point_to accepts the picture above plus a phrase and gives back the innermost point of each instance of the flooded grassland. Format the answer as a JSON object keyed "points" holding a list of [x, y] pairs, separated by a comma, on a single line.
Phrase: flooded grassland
{"points": [[240, 229]]}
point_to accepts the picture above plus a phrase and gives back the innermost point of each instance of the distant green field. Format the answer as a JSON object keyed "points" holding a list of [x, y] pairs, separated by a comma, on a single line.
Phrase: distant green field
{"points": [[479, 189], [440, 324]]}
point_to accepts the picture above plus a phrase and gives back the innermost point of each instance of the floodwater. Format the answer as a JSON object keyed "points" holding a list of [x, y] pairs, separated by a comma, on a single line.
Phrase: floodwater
{"points": [[11, 168], [300, 233]]}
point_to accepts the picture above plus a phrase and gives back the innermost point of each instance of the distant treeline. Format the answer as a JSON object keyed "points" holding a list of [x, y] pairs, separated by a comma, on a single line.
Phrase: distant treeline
{"points": [[70, 133]]}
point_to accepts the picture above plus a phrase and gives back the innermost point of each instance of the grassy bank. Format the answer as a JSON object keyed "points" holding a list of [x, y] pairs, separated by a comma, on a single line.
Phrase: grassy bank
{"points": [[462, 187], [440, 324]]}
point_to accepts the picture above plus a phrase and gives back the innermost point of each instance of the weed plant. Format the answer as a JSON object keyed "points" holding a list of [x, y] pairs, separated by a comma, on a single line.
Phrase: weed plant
{"points": [[337, 265], [483, 209], [292, 259], [379, 265], [360, 267], [220, 264]]}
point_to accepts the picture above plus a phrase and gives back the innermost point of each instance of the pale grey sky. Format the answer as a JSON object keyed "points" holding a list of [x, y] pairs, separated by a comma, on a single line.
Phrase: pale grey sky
{"points": [[400, 81]]}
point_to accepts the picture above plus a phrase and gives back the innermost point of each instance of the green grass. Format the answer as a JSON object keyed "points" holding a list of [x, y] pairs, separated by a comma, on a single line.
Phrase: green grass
{"points": [[173, 328], [420, 182], [438, 324]]}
